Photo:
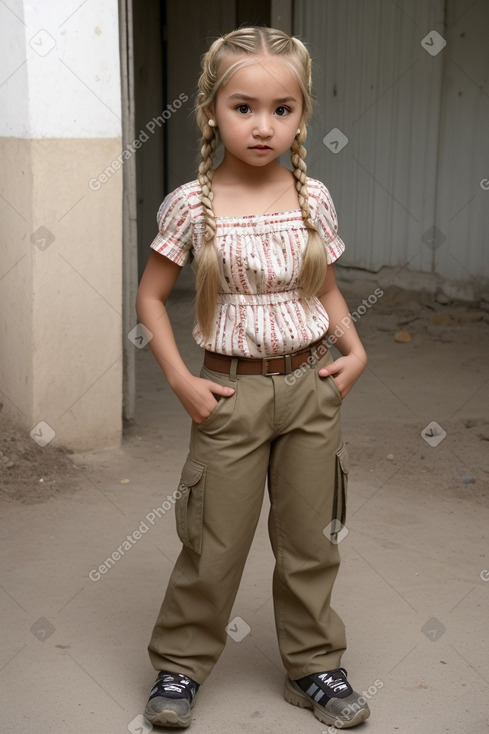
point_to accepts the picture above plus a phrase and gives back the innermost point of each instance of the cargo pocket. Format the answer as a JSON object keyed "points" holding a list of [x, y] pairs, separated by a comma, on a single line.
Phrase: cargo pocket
{"points": [[342, 468], [189, 507]]}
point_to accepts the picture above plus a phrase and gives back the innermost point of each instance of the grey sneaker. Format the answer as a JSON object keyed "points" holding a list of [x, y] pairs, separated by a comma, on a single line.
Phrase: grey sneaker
{"points": [[330, 696], [171, 700]]}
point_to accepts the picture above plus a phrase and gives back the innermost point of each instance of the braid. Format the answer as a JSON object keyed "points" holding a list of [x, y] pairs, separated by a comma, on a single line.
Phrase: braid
{"points": [[315, 259], [228, 54], [297, 156], [209, 143], [208, 270]]}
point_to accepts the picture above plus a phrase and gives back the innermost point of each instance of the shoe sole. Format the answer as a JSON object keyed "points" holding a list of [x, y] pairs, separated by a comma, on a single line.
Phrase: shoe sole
{"points": [[297, 697], [170, 718]]}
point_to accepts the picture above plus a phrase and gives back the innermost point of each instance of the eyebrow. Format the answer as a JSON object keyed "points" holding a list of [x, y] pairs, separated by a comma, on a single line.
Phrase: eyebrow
{"points": [[246, 98]]}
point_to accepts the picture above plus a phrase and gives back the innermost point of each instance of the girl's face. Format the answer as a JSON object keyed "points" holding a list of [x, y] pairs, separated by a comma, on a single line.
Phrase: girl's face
{"points": [[258, 111]]}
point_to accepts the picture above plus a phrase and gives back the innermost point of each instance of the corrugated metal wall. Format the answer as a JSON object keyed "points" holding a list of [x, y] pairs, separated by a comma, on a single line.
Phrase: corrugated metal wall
{"points": [[417, 125]]}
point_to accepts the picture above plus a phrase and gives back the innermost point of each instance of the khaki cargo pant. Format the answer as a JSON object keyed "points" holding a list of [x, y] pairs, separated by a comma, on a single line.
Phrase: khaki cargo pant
{"points": [[284, 428]]}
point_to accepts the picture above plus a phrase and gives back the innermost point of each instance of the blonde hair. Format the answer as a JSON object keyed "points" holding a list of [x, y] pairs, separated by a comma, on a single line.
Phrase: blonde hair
{"points": [[251, 41]]}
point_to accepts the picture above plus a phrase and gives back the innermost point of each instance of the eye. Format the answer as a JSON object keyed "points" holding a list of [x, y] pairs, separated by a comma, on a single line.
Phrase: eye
{"points": [[243, 109], [282, 111]]}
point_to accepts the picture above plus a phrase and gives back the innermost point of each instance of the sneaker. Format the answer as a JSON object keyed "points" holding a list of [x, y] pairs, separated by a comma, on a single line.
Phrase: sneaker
{"points": [[330, 696], [171, 700]]}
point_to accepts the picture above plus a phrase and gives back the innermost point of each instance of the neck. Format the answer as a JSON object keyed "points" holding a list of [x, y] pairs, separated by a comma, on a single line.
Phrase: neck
{"points": [[232, 170]]}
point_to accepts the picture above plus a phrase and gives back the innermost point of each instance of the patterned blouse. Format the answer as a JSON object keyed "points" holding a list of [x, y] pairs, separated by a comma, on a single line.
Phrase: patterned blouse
{"points": [[260, 311]]}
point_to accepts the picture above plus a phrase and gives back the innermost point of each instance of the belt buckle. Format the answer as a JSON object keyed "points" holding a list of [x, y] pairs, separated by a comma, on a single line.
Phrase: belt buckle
{"points": [[264, 366], [287, 365]]}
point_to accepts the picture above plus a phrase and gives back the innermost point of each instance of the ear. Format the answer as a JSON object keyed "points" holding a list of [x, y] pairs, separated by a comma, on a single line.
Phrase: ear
{"points": [[209, 112]]}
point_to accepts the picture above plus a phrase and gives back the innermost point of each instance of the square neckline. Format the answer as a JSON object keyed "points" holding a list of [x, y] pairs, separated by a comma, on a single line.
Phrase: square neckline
{"points": [[287, 213]]}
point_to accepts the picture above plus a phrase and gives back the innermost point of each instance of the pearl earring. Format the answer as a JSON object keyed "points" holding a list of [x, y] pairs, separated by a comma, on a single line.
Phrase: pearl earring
{"points": [[212, 123], [298, 131]]}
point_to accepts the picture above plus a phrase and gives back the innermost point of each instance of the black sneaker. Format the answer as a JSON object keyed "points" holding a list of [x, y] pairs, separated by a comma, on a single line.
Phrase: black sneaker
{"points": [[171, 700], [330, 696]]}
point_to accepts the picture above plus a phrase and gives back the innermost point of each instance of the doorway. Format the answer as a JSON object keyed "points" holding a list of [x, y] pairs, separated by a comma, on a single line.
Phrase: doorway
{"points": [[162, 42], [169, 39]]}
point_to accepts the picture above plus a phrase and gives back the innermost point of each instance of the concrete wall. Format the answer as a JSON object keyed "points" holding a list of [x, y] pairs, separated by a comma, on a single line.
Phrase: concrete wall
{"points": [[60, 246]]}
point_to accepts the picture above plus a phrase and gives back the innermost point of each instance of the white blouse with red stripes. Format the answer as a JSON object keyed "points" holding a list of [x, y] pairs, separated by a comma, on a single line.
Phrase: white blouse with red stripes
{"points": [[260, 311]]}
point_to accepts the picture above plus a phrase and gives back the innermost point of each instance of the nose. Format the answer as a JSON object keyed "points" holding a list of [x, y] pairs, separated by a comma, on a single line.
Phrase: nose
{"points": [[263, 127]]}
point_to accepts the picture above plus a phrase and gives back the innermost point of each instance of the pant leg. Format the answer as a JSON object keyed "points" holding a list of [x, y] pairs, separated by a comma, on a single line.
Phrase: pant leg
{"points": [[307, 483], [225, 473]]}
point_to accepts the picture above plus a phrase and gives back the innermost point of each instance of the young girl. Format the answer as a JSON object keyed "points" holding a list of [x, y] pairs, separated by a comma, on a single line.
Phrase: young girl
{"points": [[266, 407]]}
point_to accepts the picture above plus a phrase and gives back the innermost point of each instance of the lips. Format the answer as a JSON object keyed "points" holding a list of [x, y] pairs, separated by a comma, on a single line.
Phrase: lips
{"points": [[260, 147]]}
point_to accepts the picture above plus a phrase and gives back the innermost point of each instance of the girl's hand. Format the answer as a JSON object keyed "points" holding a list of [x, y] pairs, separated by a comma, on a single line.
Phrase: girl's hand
{"points": [[197, 396], [345, 371]]}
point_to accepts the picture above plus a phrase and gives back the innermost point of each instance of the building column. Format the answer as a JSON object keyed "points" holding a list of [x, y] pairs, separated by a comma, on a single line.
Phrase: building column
{"points": [[61, 263]]}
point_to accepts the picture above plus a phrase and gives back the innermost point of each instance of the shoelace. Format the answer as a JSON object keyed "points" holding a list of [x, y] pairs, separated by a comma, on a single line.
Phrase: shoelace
{"points": [[337, 682], [178, 684], [168, 686]]}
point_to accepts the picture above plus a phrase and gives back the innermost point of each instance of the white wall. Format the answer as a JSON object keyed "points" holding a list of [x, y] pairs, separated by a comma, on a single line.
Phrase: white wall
{"points": [[61, 244], [60, 75]]}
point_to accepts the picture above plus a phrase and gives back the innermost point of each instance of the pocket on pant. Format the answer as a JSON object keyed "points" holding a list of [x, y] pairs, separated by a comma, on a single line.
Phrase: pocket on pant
{"points": [[189, 507], [224, 410], [334, 386], [328, 384], [342, 469]]}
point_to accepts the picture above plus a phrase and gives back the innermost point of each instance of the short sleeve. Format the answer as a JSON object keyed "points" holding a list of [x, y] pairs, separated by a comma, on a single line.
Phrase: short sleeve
{"points": [[174, 239], [327, 222]]}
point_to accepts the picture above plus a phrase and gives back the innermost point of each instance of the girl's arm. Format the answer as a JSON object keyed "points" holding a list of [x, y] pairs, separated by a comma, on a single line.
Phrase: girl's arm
{"points": [[347, 369], [195, 394]]}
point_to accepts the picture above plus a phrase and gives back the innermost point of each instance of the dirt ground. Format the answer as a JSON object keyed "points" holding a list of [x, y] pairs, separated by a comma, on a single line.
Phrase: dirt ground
{"points": [[414, 583]]}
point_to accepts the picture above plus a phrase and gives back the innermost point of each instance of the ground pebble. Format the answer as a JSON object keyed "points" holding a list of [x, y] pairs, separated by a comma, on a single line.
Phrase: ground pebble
{"points": [[443, 299], [403, 337]]}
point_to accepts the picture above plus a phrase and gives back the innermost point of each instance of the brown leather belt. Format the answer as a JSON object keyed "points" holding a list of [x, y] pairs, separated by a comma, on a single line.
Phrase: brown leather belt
{"points": [[283, 364]]}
